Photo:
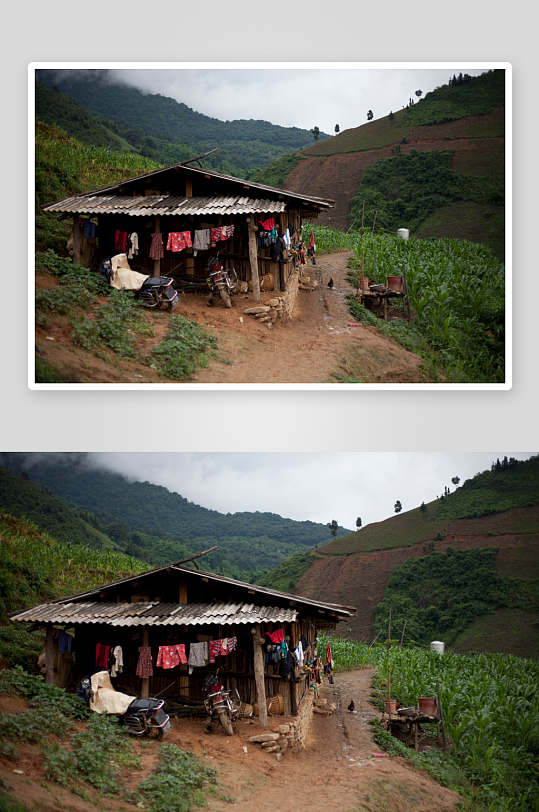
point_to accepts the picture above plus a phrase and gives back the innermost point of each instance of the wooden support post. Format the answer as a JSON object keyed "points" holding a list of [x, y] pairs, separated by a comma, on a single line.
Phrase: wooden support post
{"points": [[277, 277], [259, 677], [49, 655], [416, 725], [389, 697], [156, 262], [402, 636], [76, 240], [145, 681], [253, 259]]}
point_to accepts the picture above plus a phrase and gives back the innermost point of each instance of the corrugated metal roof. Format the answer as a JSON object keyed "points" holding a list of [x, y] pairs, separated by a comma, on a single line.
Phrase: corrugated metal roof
{"points": [[141, 205], [339, 610], [155, 614]]}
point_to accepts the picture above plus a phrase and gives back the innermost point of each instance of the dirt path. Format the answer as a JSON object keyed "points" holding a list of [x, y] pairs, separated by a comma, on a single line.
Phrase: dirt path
{"points": [[315, 346], [334, 771]]}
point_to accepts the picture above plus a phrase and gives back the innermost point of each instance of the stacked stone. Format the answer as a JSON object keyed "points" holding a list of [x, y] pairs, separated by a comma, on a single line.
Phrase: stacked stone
{"points": [[268, 314]]}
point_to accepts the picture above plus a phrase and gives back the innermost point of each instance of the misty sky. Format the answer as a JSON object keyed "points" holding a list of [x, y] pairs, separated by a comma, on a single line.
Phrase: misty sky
{"points": [[323, 95], [316, 486]]}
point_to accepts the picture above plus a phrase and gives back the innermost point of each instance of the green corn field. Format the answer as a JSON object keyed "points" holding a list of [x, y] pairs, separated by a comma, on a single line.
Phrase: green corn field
{"points": [[490, 706]]}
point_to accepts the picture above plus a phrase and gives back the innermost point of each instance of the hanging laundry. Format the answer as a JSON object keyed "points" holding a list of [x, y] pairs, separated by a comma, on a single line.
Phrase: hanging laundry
{"points": [[102, 656], [276, 636], [144, 665], [287, 668], [202, 240], [286, 239], [267, 225], [299, 653], [178, 240], [121, 239], [117, 661], [134, 247], [218, 648], [232, 643], [171, 656], [89, 229], [198, 655], [221, 233], [64, 642], [156, 248]]}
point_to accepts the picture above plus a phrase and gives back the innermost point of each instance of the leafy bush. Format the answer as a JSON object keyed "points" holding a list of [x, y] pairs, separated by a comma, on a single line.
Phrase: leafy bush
{"points": [[179, 782], [183, 349]]}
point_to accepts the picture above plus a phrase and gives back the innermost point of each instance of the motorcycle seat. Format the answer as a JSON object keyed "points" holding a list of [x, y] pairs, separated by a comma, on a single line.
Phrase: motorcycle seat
{"points": [[154, 282], [142, 705]]}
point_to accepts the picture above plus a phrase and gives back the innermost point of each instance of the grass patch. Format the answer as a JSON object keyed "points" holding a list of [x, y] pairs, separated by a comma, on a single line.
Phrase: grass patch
{"points": [[185, 348], [180, 782]]}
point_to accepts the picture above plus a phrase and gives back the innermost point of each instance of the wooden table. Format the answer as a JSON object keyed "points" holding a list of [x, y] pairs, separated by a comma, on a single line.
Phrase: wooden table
{"points": [[379, 297], [412, 723]]}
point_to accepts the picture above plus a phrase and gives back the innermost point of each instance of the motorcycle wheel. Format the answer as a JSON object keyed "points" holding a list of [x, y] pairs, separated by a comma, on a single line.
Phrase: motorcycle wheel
{"points": [[225, 296], [224, 718], [207, 725], [156, 733], [210, 300]]}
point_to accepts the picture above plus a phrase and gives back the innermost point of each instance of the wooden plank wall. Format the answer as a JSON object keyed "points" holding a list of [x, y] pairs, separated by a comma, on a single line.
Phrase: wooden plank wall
{"points": [[238, 671], [234, 251]]}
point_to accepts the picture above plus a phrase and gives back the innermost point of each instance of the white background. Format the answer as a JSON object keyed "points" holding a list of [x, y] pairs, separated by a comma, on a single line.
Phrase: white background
{"points": [[254, 30]]}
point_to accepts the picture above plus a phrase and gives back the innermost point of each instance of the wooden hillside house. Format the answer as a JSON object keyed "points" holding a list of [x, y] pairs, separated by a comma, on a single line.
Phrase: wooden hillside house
{"points": [[178, 605], [185, 199]]}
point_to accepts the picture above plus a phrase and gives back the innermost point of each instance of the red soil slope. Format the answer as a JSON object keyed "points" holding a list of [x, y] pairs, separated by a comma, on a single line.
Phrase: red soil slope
{"points": [[334, 168], [360, 580]]}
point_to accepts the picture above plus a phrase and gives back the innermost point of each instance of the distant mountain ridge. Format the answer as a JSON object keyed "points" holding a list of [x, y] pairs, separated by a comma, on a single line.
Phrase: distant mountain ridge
{"points": [[159, 526], [160, 127]]}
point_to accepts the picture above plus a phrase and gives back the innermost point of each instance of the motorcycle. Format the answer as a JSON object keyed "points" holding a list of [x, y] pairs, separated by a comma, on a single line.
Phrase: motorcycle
{"points": [[220, 704], [220, 280], [154, 292], [143, 717]]}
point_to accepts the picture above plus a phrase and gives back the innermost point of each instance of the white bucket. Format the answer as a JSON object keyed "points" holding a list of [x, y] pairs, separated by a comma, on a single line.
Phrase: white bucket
{"points": [[437, 646], [403, 232]]}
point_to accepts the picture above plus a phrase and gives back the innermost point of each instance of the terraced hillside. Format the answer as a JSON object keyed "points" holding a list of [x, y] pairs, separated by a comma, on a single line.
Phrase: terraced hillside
{"points": [[356, 569], [468, 120]]}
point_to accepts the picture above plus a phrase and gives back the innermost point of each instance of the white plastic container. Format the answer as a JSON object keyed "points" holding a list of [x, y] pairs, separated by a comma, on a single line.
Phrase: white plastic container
{"points": [[437, 646], [403, 232]]}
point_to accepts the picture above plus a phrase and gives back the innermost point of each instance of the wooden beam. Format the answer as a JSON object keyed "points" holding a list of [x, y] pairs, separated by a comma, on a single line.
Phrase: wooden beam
{"points": [[198, 555], [259, 677], [76, 240], [253, 259], [49, 655]]}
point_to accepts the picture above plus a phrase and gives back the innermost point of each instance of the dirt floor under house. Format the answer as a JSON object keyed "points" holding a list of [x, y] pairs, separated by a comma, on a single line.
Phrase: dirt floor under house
{"points": [[335, 770], [316, 345]]}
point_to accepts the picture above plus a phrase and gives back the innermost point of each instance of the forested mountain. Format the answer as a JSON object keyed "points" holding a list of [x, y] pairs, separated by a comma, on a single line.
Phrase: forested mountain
{"points": [[150, 522], [162, 128]]}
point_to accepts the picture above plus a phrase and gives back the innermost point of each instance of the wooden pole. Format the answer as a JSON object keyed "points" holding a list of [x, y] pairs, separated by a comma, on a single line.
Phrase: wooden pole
{"points": [[362, 219], [145, 681], [49, 655], [76, 240], [389, 630], [402, 636], [253, 259], [259, 677], [192, 558], [441, 717], [406, 290], [389, 698], [374, 221], [156, 262]]}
